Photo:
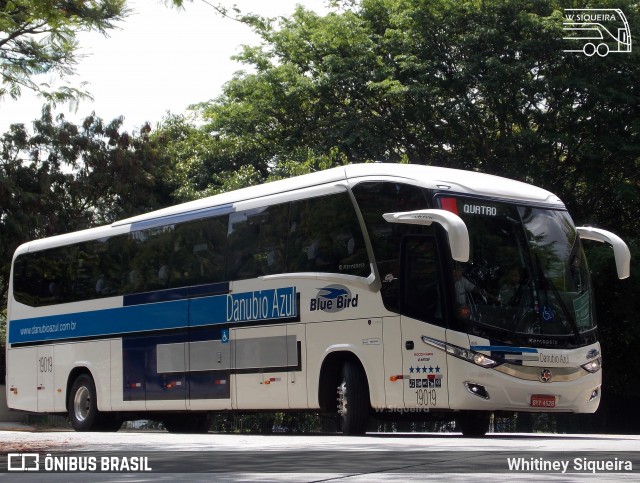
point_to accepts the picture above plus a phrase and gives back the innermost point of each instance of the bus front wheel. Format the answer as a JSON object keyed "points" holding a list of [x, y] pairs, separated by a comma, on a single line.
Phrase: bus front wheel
{"points": [[473, 424], [353, 399]]}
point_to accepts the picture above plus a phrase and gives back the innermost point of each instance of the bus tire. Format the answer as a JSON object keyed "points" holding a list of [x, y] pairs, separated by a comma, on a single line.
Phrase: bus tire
{"points": [[353, 400], [473, 424], [83, 404]]}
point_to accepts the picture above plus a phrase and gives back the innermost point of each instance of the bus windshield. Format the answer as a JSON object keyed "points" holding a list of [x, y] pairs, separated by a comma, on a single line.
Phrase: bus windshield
{"points": [[526, 279]]}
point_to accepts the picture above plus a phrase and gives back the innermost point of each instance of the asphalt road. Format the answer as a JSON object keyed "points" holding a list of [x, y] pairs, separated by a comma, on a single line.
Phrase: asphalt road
{"points": [[143, 456]]}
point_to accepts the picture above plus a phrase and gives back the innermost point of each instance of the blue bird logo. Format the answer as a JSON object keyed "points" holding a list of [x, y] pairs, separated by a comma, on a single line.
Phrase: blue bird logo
{"points": [[332, 293]]}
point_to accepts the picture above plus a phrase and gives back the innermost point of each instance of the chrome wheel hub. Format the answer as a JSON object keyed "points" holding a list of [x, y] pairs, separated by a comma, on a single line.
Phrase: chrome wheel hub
{"points": [[81, 404]]}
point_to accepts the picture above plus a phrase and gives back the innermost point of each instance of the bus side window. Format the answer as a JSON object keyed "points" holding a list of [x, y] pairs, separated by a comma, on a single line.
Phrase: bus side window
{"points": [[272, 240], [56, 266], [325, 236], [375, 199], [207, 243], [89, 281], [151, 251], [257, 241], [27, 279]]}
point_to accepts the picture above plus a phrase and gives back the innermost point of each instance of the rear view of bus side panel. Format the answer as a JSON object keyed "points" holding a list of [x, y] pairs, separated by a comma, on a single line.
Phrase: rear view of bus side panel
{"points": [[22, 381]]}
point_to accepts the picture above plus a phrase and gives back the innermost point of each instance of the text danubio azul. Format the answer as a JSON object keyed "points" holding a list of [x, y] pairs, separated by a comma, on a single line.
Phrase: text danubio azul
{"points": [[261, 305]]}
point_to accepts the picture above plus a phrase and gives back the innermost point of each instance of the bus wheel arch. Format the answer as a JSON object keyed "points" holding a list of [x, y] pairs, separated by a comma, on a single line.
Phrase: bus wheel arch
{"points": [[344, 391]]}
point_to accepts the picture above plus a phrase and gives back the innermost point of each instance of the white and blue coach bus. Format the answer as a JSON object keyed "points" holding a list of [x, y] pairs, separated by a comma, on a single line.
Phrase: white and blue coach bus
{"points": [[359, 288]]}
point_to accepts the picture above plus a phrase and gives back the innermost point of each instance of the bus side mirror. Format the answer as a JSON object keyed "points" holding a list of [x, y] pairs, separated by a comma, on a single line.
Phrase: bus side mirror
{"points": [[452, 223], [620, 248]]}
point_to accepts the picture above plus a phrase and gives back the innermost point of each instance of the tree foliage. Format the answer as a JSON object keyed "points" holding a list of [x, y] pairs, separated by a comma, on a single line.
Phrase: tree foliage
{"points": [[65, 177], [39, 37], [479, 85]]}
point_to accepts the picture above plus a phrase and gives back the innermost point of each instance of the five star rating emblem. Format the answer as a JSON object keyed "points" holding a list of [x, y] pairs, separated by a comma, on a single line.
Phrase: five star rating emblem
{"points": [[424, 370]]}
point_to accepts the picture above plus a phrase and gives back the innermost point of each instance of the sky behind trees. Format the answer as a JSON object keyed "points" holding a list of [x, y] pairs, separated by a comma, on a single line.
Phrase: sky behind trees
{"points": [[160, 59]]}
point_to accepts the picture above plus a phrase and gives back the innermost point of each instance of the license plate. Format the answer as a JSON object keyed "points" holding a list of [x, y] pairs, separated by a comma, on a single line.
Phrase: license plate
{"points": [[543, 401]]}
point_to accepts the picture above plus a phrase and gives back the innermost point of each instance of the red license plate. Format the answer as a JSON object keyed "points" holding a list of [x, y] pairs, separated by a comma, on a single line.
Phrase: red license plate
{"points": [[540, 401]]}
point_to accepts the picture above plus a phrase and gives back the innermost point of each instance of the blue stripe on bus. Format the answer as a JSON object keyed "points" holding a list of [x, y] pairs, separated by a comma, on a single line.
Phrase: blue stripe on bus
{"points": [[504, 348], [182, 217], [256, 306], [137, 318]]}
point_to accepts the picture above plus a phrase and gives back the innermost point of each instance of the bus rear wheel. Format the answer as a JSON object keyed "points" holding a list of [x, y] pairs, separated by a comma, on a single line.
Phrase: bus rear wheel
{"points": [[83, 407], [353, 400], [473, 424]]}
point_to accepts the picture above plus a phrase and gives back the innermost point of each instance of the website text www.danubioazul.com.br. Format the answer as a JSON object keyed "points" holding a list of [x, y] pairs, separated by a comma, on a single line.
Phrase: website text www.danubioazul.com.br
{"points": [[584, 465], [48, 328]]}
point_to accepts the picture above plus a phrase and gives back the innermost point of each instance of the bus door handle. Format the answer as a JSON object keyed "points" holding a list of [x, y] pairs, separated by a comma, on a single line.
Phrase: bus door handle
{"points": [[409, 345]]}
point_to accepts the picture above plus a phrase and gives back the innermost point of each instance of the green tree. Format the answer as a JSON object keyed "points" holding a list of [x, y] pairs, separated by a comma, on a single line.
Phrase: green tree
{"points": [[39, 37], [476, 84], [66, 177]]}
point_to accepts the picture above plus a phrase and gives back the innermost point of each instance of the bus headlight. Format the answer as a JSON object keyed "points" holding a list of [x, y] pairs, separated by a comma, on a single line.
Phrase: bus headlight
{"points": [[484, 361], [593, 366], [465, 354]]}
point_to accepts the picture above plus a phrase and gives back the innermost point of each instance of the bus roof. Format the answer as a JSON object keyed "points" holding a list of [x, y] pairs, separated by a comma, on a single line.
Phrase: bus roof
{"points": [[444, 179]]}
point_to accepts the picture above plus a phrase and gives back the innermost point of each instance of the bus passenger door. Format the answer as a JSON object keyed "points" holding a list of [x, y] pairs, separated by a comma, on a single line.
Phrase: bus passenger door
{"points": [[423, 321]]}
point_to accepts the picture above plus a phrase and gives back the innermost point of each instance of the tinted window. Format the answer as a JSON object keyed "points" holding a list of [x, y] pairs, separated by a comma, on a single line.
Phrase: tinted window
{"points": [[198, 253], [45, 278], [422, 294], [98, 269], [150, 267], [257, 241], [26, 280], [375, 199], [320, 235], [325, 236]]}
